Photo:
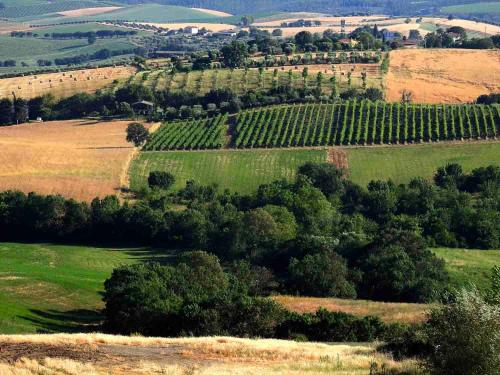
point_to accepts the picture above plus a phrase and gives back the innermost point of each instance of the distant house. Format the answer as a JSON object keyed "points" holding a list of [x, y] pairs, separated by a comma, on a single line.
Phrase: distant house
{"points": [[191, 30], [226, 33], [455, 36], [143, 107]]}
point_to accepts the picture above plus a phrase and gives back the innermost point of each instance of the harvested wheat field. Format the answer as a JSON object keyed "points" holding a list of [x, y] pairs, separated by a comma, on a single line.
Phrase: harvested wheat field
{"points": [[7, 27], [88, 11], [100, 354], [389, 312], [63, 84], [212, 12], [79, 159], [443, 75]]}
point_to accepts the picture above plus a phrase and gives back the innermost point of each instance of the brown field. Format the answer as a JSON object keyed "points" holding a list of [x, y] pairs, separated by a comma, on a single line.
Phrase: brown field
{"points": [[466, 24], [214, 27], [78, 159], [325, 20], [212, 12], [443, 75], [99, 354], [88, 11], [7, 27], [63, 84], [387, 311]]}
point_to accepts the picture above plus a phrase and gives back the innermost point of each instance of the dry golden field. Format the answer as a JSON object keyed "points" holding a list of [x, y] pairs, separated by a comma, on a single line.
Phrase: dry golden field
{"points": [[79, 159], [63, 84], [383, 22], [212, 12], [6, 27], [387, 311], [98, 354], [88, 11], [443, 75]]}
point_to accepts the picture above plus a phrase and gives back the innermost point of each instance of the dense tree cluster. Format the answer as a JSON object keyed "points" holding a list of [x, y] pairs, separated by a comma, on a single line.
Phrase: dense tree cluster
{"points": [[195, 296], [320, 235]]}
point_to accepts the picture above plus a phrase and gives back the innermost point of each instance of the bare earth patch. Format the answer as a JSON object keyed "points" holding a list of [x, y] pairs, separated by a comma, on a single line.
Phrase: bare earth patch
{"points": [[79, 159], [443, 75], [105, 354], [338, 158], [63, 84], [88, 11], [7, 27]]}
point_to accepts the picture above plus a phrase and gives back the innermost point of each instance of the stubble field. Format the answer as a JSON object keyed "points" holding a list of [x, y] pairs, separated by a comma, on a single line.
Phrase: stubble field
{"points": [[63, 84], [443, 75], [78, 159]]}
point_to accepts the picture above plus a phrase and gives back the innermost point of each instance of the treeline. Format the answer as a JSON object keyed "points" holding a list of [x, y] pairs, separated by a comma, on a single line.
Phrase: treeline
{"points": [[96, 34], [102, 54], [320, 235]]}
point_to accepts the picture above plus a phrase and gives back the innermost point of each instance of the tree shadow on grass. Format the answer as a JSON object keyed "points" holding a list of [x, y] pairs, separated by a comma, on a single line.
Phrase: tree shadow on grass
{"points": [[50, 321]]}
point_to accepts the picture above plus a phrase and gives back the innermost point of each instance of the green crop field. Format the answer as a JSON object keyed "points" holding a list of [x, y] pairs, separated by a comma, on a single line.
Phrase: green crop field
{"points": [[24, 9], [402, 163], [486, 7], [469, 266], [240, 171], [53, 287]]}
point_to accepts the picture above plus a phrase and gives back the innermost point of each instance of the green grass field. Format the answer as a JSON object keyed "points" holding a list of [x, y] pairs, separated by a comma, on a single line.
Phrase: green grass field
{"points": [[486, 7], [52, 287], [402, 163], [56, 288], [469, 266], [240, 171]]}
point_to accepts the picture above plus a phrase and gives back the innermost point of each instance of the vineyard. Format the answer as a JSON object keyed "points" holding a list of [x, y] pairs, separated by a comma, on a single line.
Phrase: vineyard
{"points": [[363, 122], [189, 135]]}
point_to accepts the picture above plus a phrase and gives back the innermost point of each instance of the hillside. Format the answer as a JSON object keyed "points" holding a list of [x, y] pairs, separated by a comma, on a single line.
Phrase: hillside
{"points": [[100, 354]]}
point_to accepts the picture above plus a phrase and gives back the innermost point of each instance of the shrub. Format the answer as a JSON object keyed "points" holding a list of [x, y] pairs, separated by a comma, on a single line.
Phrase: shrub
{"points": [[160, 179]]}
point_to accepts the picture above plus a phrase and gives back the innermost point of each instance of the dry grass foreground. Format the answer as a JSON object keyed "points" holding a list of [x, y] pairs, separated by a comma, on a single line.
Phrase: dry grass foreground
{"points": [[99, 354], [63, 84], [77, 159], [443, 75], [387, 311]]}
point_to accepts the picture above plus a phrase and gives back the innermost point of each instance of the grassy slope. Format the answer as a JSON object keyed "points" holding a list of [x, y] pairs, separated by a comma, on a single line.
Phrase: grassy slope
{"points": [[486, 7], [241, 171], [469, 266], [51, 287], [402, 163], [30, 50]]}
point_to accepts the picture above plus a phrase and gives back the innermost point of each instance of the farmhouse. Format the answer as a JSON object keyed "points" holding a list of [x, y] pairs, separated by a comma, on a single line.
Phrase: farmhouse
{"points": [[191, 30], [143, 107]]}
